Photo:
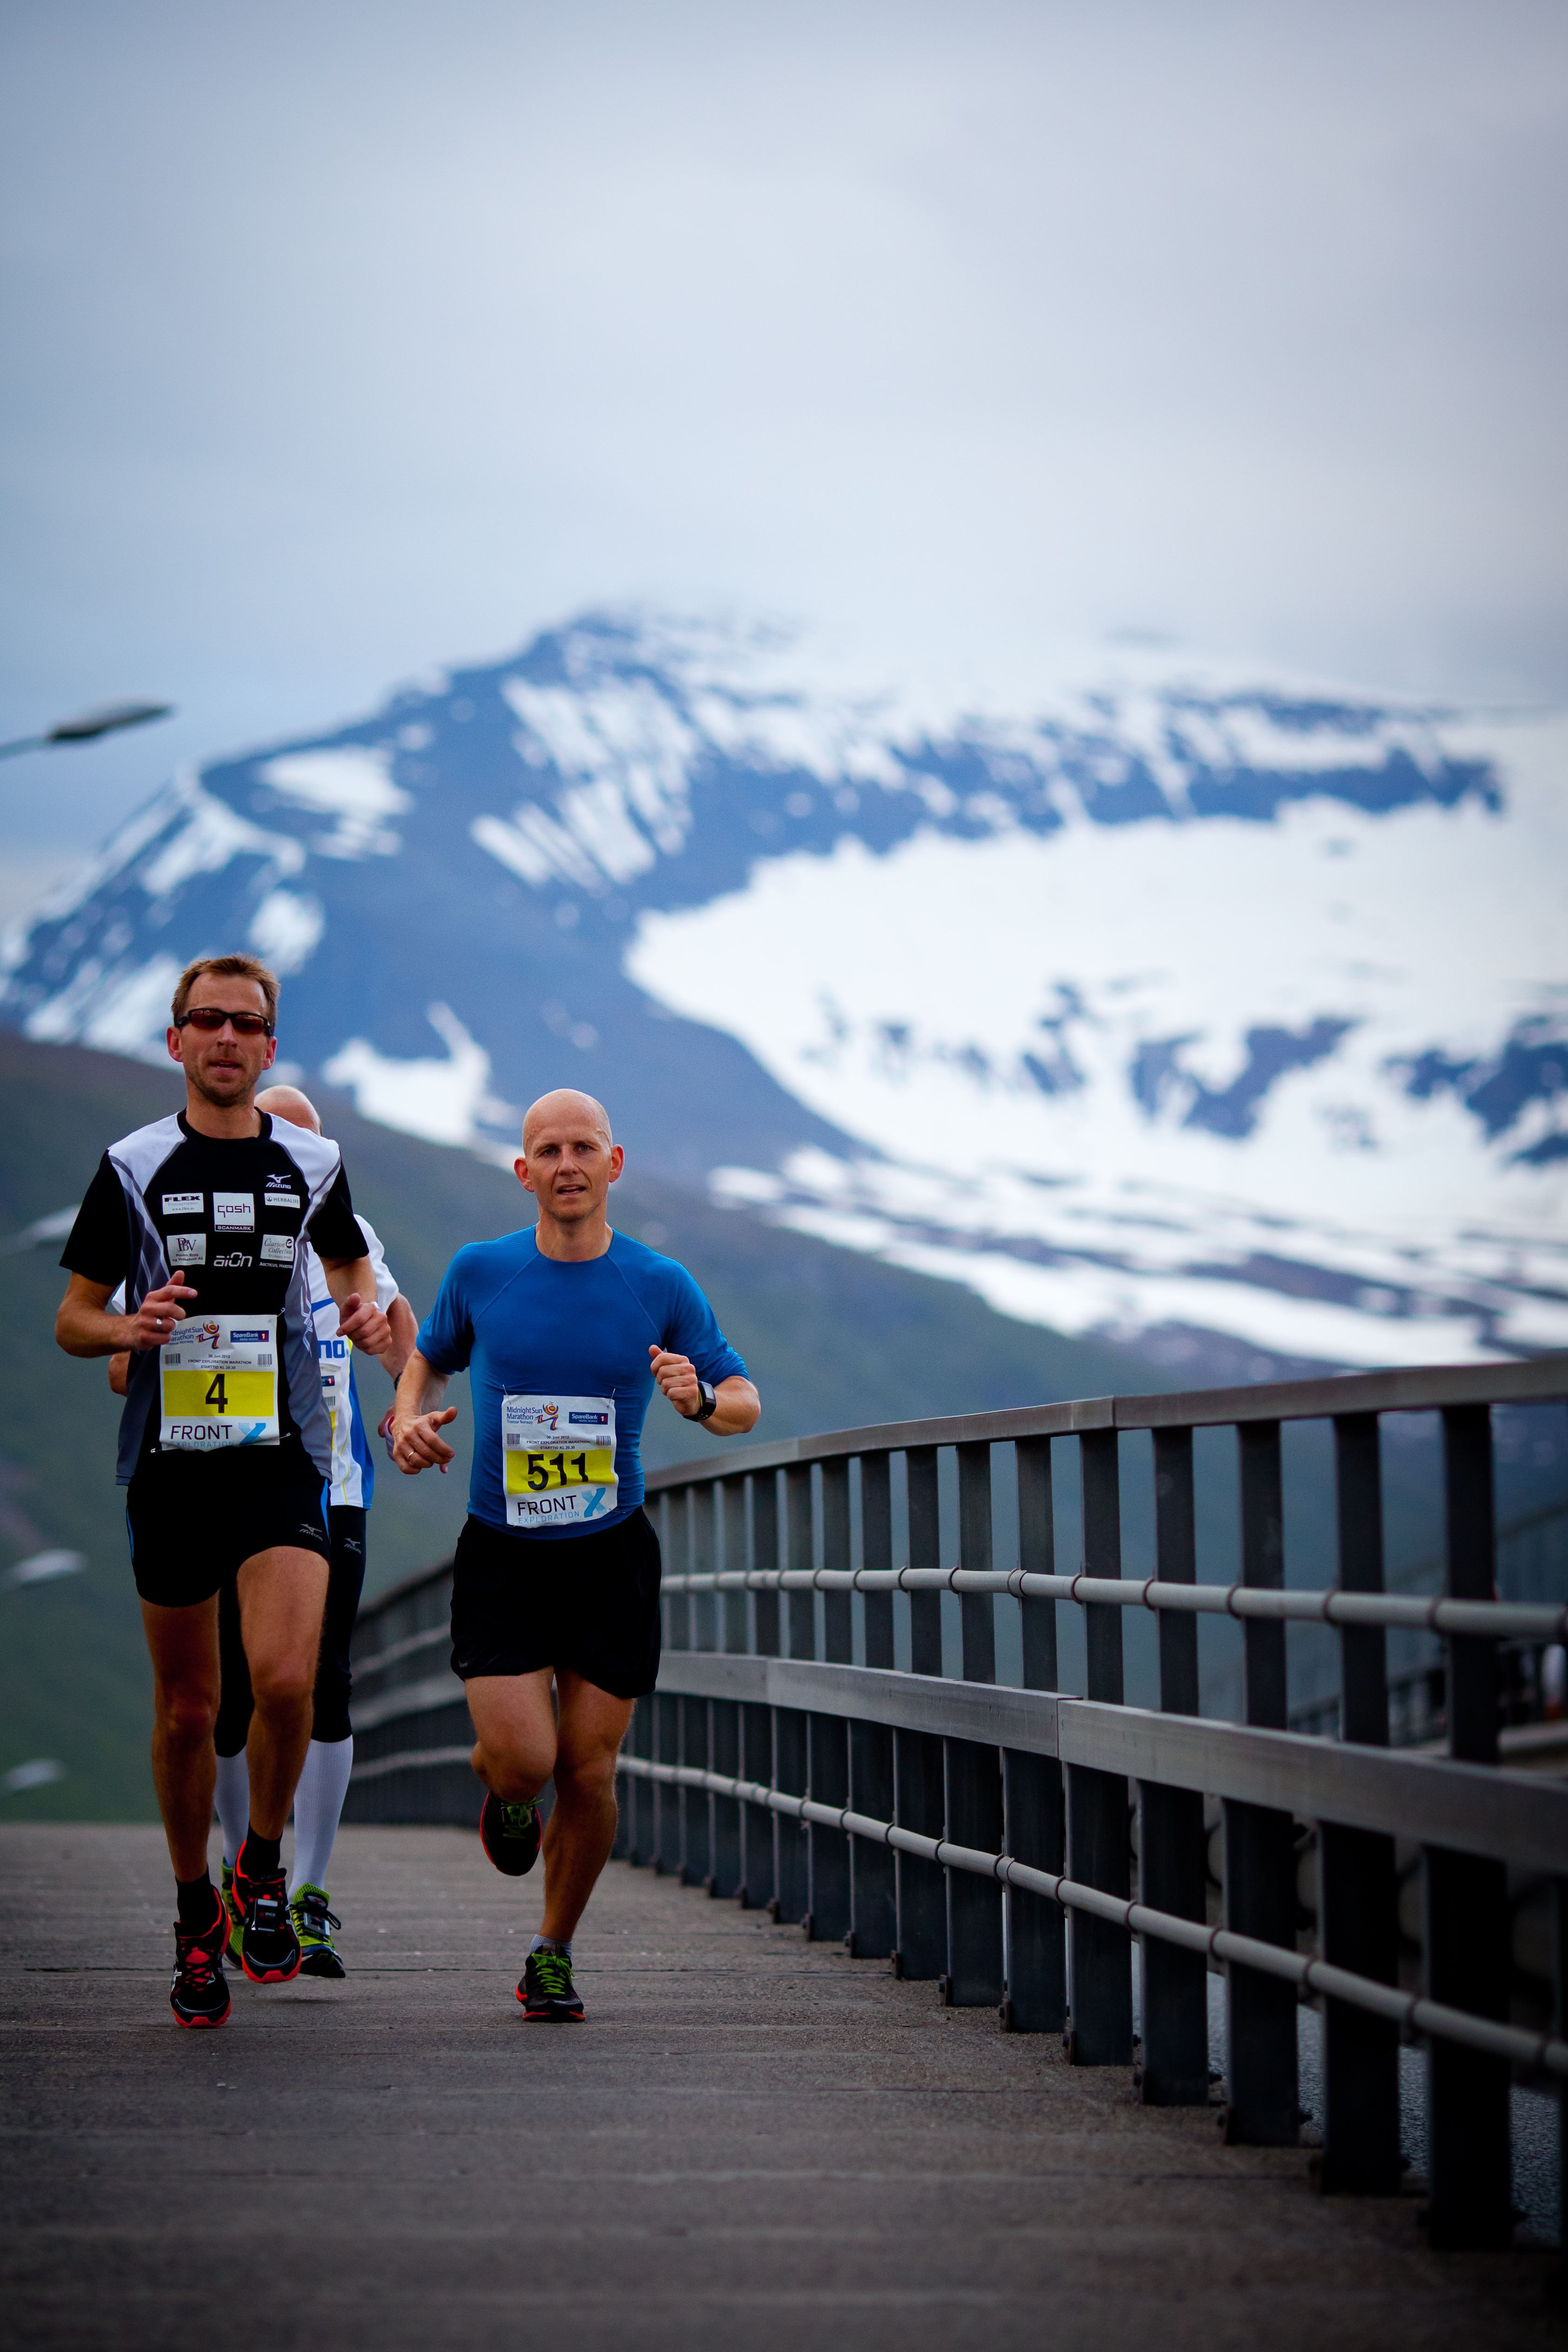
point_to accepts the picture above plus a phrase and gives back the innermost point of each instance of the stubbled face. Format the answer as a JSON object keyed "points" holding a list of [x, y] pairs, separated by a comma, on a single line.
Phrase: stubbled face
{"points": [[568, 1163], [221, 1066]]}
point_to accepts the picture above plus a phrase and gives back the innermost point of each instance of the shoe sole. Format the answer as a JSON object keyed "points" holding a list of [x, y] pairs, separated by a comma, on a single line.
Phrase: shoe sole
{"points": [[193, 2024], [271, 1976], [548, 2017], [329, 1969], [507, 1869]]}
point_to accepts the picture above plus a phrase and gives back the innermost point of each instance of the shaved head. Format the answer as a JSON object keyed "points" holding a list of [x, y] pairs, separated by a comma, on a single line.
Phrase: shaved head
{"points": [[563, 1103], [288, 1102]]}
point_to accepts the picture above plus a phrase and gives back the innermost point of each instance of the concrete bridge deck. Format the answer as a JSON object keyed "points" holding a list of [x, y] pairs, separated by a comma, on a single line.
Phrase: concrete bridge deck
{"points": [[754, 2141]]}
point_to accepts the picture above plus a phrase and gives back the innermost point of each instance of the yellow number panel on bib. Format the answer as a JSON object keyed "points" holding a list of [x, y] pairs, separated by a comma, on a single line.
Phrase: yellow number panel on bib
{"points": [[558, 1460], [218, 1379]]}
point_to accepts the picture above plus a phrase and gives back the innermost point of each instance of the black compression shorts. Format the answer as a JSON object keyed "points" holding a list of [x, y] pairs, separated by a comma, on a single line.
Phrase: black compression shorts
{"points": [[189, 1537], [335, 1678], [590, 1604]]}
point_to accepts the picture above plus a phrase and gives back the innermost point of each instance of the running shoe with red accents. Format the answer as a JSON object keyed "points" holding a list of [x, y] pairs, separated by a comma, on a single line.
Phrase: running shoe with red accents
{"points": [[268, 1947], [510, 1835], [198, 1994], [547, 1993]]}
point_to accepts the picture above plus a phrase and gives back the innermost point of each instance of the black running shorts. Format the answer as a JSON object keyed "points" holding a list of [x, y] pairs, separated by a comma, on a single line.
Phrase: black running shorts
{"points": [[189, 1533], [590, 1603], [335, 1678]]}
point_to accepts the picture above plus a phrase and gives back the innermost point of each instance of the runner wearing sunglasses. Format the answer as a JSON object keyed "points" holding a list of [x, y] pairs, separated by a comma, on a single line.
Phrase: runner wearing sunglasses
{"points": [[565, 1328], [224, 1441]]}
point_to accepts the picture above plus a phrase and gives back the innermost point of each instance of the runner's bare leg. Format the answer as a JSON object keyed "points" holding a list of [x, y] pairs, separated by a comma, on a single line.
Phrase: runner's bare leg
{"points": [[282, 1594], [182, 1645], [520, 1743]]}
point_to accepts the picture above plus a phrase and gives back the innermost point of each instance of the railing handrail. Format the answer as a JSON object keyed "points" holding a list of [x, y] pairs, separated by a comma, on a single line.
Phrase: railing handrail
{"points": [[1419, 1389]]}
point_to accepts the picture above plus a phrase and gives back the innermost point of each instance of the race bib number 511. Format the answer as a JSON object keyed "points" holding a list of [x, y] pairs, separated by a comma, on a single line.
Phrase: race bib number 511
{"points": [[218, 1379], [558, 1459]]}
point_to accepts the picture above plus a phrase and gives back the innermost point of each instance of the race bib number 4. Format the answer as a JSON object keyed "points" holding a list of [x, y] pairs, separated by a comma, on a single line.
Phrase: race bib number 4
{"points": [[558, 1459], [218, 1380]]}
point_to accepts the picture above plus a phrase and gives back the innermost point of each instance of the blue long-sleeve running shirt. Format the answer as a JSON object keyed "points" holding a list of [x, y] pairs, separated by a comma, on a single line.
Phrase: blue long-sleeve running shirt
{"points": [[557, 1354]]}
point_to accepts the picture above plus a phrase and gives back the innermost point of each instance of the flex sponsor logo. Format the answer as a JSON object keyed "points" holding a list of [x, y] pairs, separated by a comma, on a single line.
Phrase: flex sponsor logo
{"points": [[184, 1204], [187, 1249], [276, 1249], [232, 1258], [234, 1213]]}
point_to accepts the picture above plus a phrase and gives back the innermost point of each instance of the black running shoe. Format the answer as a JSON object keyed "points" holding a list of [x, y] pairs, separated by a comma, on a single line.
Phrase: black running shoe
{"points": [[509, 1835], [547, 1993], [268, 1947], [198, 1994]]}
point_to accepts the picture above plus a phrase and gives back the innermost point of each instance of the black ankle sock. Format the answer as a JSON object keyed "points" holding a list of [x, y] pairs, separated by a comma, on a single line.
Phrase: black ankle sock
{"points": [[197, 1898], [259, 1857]]}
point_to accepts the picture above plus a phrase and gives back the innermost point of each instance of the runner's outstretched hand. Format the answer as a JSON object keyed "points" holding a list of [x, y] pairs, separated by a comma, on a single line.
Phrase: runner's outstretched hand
{"points": [[676, 1376], [415, 1446], [156, 1318], [362, 1322]]}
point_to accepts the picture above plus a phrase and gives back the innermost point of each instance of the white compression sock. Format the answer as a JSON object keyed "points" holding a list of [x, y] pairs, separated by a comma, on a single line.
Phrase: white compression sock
{"points": [[318, 1802], [233, 1802]]}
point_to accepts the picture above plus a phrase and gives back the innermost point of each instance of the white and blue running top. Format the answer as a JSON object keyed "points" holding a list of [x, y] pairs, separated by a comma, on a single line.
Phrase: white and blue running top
{"points": [[557, 1351], [352, 1479]]}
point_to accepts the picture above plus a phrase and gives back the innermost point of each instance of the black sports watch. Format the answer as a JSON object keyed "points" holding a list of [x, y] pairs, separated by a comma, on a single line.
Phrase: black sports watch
{"points": [[710, 1403]]}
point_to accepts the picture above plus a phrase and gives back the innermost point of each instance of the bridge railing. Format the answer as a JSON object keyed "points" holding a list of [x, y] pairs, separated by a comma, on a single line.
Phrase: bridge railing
{"points": [[1025, 1846]]}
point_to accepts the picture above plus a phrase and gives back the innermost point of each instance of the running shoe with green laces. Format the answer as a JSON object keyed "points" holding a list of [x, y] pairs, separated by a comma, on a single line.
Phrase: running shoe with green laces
{"points": [[231, 1913], [313, 1923], [547, 1993], [510, 1835]]}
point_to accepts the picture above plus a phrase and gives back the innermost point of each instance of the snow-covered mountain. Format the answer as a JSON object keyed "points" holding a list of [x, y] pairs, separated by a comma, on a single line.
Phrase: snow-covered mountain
{"points": [[1171, 1004]]}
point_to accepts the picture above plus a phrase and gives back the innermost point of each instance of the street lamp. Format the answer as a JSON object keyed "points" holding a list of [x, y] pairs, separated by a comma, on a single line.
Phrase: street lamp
{"points": [[101, 721]]}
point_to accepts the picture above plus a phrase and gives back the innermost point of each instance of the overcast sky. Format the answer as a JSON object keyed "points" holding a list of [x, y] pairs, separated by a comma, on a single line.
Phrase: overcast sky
{"points": [[342, 339]]}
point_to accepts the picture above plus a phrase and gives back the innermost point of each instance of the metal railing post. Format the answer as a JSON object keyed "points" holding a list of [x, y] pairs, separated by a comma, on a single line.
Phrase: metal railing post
{"points": [[791, 1755], [665, 1800], [977, 1610], [695, 1850], [701, 1553], [1101, 2033], [798, 1550], [734, 1616], [972, 1777], [727, 1870], [1465, 1905], [972, 1803], [826, 1917], [1034, 1823], [1358, 1890], [827, 1737], [873, 1905], [790, 1768], [925, 1551], [759, 1878], [876, 1551], [920, 1895], [1175, 2069], [1262, 2108]]}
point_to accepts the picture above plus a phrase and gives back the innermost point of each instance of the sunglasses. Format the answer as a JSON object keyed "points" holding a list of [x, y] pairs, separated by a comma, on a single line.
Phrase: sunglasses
{"points": [[212, 1018]]}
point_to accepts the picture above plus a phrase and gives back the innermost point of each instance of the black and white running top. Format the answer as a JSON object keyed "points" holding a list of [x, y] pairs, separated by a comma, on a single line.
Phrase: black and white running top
{"points": [[226, 1216]]}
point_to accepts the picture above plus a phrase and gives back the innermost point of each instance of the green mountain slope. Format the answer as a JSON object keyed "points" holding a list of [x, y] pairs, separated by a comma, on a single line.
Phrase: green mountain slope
{"points": [[832, 1339]]}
